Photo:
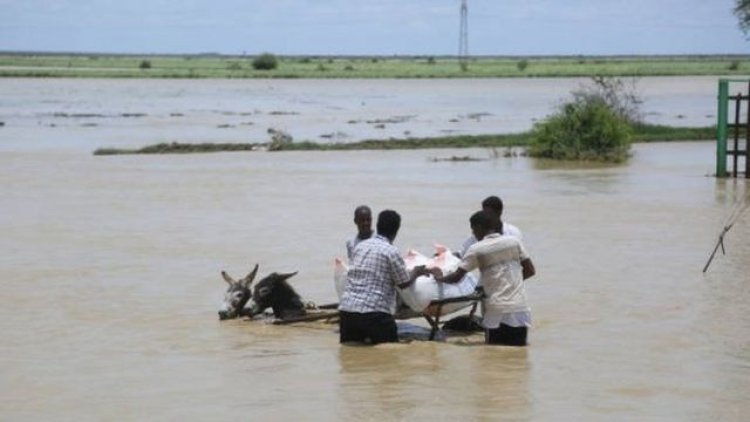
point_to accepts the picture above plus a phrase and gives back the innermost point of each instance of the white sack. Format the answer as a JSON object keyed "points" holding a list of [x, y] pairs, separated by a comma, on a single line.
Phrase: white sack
{"points": [[425, 289]]}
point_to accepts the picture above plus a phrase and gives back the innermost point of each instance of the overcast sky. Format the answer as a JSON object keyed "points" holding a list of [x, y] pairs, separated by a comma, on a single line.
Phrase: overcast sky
{"points": [[382, 27]]}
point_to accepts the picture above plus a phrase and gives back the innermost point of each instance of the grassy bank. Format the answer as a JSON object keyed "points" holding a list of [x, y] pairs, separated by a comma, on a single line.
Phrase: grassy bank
{"points": [[642, 133], [220, 66]]}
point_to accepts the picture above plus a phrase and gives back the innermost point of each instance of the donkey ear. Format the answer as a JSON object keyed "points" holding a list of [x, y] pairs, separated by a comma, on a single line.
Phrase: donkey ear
{"points": [[287, 275], [250, 277], [228, 279]]}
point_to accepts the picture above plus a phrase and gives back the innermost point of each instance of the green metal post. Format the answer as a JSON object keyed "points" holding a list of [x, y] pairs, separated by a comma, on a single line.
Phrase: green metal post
{"points": [[721, 129]]}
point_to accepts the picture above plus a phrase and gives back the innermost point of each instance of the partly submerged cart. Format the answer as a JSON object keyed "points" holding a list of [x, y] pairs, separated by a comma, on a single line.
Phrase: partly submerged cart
{"points": [[328, 313]]}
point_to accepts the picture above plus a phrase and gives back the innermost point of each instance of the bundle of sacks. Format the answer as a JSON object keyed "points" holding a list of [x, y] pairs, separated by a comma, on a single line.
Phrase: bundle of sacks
{"points": [[425, 289]]}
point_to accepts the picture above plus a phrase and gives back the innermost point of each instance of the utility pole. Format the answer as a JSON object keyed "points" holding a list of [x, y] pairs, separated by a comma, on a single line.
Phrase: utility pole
{"points": [[463, 37]]}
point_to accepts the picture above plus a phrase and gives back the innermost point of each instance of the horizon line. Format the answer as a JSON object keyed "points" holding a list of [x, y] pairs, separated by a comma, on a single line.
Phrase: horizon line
{"points": [[311, 55]]}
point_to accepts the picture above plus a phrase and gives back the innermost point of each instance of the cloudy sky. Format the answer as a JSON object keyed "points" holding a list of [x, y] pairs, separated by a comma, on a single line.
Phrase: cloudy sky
{"points": [[383, 27]]}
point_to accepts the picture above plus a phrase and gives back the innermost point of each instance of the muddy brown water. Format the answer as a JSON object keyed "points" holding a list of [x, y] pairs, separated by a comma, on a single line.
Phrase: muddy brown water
{"points": [[110, 269]]}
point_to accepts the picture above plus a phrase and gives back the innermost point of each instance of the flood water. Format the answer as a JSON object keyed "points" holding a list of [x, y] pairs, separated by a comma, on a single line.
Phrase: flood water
{"points": [[111, 265], [72, 113]]}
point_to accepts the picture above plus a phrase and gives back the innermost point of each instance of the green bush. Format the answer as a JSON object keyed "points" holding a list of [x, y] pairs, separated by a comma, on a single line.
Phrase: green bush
{"points": [[586, 130], [522, 65], [265, 61], [145, 64]]}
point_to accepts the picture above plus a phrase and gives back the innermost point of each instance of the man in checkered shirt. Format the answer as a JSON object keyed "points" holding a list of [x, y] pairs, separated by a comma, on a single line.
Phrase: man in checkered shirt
{"points": [[376, 270]]}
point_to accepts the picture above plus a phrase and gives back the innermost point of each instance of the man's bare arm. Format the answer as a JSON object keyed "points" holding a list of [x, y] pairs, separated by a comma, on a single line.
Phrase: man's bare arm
{"points": [[418, 271], [528, 268], [453, 277]]}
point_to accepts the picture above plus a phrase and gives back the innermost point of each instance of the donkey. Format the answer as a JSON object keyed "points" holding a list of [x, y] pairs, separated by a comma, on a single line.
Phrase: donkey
{"points": [[273, 291]]}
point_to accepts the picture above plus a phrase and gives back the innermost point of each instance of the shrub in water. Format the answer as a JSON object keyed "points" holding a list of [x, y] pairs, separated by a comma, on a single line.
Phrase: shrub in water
{"points": [[620, 95], [582, 130], [280, 140], [265, 61]]}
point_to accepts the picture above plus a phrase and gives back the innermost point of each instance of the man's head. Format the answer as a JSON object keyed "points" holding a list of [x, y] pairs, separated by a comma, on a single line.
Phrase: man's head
{"points": [[388, 224], [482, 223], [363, 220], [494, 205]]}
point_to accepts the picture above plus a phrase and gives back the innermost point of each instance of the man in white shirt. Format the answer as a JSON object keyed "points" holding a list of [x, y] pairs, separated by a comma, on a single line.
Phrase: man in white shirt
{"points": [[503, 265], [363, 221], [494, 205]]}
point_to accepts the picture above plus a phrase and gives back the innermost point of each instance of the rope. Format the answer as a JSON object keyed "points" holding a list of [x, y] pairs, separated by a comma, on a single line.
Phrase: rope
{"points": [[733, 217]]}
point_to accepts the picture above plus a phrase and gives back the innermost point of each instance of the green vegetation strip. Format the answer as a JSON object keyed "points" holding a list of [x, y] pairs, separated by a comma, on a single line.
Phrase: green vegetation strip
{"points": [[641, 133], [226, 67]]}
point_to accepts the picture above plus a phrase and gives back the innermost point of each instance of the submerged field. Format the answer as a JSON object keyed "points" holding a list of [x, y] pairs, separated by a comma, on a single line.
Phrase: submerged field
{"points": [[642, 133], [220, 66]]}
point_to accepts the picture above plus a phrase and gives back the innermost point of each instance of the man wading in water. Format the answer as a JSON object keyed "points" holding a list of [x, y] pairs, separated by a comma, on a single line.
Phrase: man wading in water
{"points": [[494, 206], [503, 266], [369, 298]]}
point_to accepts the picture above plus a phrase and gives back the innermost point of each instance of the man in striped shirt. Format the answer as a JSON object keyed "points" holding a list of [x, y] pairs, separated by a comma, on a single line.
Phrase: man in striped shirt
{"points": [[376, 270]]}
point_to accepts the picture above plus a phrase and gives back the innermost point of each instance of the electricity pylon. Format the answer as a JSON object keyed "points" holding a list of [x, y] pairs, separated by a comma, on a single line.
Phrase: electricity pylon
{"points": [[463, 37]]}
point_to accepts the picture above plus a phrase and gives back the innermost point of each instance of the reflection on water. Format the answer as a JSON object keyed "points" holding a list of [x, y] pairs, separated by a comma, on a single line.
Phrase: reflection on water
{"points": [[377, 381], [391, 382], [111, 282], [501, 375]]}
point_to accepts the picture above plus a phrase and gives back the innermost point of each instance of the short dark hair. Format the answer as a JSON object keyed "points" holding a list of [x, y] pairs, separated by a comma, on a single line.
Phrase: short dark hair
{"points": [[362, 209], [388, 223], [493, 202], [483, 219]]}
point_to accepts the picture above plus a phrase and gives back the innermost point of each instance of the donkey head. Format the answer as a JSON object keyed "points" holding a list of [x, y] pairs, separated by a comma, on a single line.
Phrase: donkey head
{"points": [[273, 291], [237, 295]]}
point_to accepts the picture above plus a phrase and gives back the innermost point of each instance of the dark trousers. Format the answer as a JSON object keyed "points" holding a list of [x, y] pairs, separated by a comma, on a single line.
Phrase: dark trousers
{"points": [[370, 327], [506, 335]]}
